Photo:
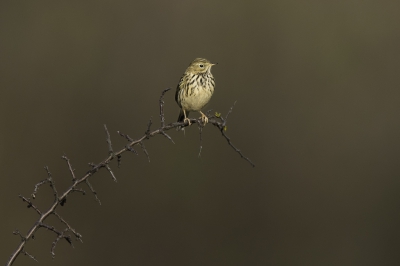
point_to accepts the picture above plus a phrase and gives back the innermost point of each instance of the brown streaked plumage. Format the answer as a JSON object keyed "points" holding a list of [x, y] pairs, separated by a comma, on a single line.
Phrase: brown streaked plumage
{"points": [[195, 89]]}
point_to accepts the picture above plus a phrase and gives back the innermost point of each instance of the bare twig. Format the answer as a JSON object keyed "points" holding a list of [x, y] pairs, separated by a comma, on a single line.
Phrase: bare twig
{"points": [[30, 204], [52, 184], [222, 128], [70, 167], [162, 107], [236, 149], [17, 232], [60, 235], [111, 172], [50, 228], [93, 191], [77, 235], [201, 138], [167, 136], [129, 148], [37, 187], [79, 190], [229, 112], [110, 149], [148, 129], [144, 150], [29, 255], [125, 136]]}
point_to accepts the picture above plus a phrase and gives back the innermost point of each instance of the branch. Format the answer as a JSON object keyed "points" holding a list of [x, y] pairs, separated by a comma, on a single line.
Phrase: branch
{"points": [[60, 199]]}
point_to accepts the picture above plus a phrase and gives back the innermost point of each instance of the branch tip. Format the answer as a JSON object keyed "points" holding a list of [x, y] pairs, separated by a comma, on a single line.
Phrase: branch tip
{"points": [[108, 139], [111, 172]]}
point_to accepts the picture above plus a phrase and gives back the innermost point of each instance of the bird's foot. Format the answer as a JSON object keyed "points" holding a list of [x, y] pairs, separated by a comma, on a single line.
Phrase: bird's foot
{"points": [[204, 118], [187, 120]]}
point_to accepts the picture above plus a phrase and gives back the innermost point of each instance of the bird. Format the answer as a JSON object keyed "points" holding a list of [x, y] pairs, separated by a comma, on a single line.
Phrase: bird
{"points": [[195, 89]]}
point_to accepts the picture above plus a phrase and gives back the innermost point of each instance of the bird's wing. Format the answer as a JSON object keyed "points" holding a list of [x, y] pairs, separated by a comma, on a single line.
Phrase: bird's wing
{"points": [[179, 87]]}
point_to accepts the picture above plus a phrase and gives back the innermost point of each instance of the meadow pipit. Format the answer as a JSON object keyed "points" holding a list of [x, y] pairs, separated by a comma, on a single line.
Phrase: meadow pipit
{"points": [[195, 89]]}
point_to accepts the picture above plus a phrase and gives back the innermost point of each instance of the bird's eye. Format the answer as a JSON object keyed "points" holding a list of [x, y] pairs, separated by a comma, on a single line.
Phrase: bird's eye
{"points": [[201, 66]]}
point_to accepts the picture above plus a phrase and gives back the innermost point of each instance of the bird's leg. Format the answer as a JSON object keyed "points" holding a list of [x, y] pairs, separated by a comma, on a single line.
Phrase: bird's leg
{"points": [[204, 118], [186, 119]]}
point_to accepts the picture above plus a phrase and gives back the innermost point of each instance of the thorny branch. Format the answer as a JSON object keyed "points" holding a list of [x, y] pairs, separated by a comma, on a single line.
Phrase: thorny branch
{"points": [[216, 120]]}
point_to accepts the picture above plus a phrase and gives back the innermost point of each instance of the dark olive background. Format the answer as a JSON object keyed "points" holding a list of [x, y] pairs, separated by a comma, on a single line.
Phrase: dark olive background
{"points": [[317, 91]]}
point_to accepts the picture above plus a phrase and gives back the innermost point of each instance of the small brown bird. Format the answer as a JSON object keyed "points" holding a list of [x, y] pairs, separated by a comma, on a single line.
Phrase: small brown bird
{"points": [[195, 89]]}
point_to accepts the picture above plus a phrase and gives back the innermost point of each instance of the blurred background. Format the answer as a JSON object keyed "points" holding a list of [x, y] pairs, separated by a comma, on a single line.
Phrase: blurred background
{"points": [[317, 91]]}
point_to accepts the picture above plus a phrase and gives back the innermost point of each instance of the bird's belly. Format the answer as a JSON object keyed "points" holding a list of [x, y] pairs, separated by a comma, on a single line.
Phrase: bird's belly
{"points": [[196, 101]]}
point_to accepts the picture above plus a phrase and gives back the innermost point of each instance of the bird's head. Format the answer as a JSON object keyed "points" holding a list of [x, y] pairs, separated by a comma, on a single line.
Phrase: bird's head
{"points": [[199, 66]]}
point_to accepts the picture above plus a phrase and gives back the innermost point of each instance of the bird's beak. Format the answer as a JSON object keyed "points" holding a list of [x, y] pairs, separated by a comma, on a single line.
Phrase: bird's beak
{"points": [[214, 64]]}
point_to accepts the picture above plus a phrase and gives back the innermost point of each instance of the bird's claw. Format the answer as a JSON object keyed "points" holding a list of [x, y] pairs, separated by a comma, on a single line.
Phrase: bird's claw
{"points": [[204, 118], [187, 120]]}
